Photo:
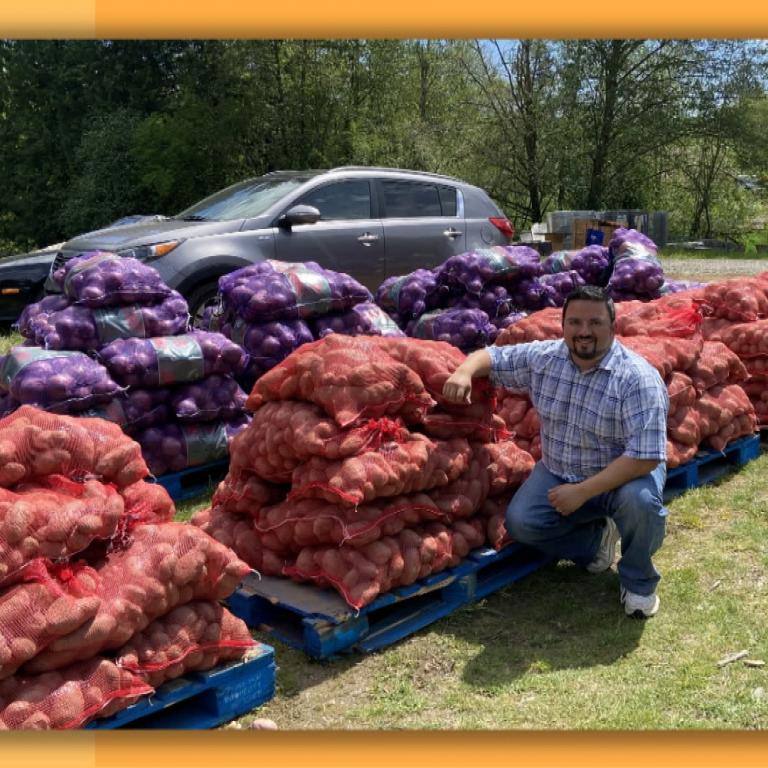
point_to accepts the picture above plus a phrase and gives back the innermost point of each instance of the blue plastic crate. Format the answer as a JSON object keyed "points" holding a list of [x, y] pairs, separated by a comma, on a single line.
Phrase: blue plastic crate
{"points": [[319, 622], [202, 700]]}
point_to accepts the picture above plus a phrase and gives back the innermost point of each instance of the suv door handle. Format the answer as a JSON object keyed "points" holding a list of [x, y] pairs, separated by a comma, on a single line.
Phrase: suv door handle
{"points": [[368, 239], [451, 232]]}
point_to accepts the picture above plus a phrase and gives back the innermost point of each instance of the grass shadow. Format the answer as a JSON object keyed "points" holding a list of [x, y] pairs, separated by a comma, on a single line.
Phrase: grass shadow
{"points": [[558, 618]]}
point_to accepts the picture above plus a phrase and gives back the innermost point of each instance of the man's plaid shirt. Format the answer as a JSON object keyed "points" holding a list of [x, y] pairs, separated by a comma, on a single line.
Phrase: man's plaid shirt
{"points": [[588, 419]]}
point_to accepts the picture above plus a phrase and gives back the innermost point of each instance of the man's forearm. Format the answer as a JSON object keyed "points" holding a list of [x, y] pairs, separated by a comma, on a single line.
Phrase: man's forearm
{"points": [[477, 365], [620, 471]]}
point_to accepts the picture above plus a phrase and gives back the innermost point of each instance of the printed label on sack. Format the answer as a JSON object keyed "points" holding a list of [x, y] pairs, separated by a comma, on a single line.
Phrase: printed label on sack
{"points": [[205, 442], [97, 258], [20, 357], [122, 323], [313, 292], [424, 327], [112, 411], [498, 261], [393, 293], [239, 329], [179, 359], [376, 319]]}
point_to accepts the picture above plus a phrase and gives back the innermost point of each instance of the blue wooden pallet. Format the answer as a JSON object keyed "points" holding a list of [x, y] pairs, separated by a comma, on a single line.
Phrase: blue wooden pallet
{"points": [[319, 622], [709, 465], [193, 481], [202, 700]]}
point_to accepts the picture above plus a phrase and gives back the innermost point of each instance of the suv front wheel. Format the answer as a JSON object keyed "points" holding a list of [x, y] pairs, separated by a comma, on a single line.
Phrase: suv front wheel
{"points": [[199, 298]]}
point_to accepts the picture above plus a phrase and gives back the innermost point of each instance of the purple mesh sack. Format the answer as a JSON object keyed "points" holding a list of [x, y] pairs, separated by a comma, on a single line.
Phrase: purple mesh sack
{"points": [[61, 382], [7, 404], [411, 295], [81, 328], [510, 319], [103, 279], [136, 409], [173, 447], [493, 300], [559, 285], [277, 290], [473, 270], [678, 286], [215, 397], [172, 359], [267, 344], [593, 264], [44, 307], [529, 294], [364, 319], [635, 279], [631, 244], [466, 329]]}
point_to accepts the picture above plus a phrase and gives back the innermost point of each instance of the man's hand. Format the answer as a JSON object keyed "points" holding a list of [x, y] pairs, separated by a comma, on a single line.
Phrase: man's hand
{"points": [[458, 388], [567, 498]]}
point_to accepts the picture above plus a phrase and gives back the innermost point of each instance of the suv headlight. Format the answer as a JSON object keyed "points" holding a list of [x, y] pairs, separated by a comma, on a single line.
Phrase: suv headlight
{"points": [[150, 252]]}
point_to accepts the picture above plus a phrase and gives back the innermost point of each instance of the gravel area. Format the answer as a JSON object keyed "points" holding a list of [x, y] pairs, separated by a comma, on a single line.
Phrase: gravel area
{"points": [[709, 269]]}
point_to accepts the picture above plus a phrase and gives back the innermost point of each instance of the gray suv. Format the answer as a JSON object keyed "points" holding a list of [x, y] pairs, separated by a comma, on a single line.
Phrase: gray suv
{"points": [[369, 222]]}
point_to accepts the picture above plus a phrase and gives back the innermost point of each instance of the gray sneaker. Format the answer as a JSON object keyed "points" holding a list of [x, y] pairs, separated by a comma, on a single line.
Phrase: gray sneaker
{"points": [[606, 552], [639, 606]]}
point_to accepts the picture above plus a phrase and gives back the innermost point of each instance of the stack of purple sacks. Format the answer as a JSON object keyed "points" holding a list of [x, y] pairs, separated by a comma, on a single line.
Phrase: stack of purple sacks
{"points": [[116, 345], [272, 308]]}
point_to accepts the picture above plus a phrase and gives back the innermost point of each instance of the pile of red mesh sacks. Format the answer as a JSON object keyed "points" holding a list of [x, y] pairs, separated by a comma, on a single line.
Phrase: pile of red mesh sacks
{"points": [[354, 472], [706, 380], [102, 597], [738, 317]]}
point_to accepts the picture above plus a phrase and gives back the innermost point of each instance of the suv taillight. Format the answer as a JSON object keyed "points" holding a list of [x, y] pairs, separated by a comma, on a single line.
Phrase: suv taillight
{"points": [[503, 225]]}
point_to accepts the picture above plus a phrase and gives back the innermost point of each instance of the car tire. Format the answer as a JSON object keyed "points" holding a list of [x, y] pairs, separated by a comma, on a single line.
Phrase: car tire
{"points": [[204, 295]]}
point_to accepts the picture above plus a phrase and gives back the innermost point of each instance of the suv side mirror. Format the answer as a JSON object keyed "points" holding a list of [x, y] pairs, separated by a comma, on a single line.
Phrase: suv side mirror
{"points": [[299, 214]]}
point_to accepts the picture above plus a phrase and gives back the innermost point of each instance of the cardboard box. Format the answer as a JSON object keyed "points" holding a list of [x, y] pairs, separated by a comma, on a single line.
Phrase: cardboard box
{"points": [[557, 239], [580, 227]]}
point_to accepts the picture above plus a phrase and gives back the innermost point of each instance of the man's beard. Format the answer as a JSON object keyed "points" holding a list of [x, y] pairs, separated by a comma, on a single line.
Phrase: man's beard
{"points": [[589, 349]]}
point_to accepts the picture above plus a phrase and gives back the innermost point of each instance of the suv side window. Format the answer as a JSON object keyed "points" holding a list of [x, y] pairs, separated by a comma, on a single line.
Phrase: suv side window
{"points": [[410, 199], [341, 200]]}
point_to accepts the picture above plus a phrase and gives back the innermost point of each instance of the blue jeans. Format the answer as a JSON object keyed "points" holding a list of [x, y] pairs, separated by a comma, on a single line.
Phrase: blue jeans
{"points": [[636, 508]]}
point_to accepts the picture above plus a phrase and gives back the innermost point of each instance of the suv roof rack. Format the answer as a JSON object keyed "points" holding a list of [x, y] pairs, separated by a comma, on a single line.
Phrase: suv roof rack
{"points": [[394, 170]]}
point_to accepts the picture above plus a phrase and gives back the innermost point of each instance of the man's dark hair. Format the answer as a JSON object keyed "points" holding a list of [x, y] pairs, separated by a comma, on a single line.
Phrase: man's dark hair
{"points": [[591, 293]]}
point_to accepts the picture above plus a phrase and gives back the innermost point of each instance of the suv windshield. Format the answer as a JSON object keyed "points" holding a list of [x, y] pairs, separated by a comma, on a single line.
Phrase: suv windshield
{"points": [[244, 200]]}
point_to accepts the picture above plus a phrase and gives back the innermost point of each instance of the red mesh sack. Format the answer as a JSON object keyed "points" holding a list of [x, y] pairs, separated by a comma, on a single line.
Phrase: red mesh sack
{"points": [[712, 328], [288, 527], [716, 364], [53, 603], [720, 409], [351, 378], [756, 366], [507, 465], [69, 698], [740, 299], [680, 390], [54, 520], [673, 315], [287, 433], [396, 468], [493, 514], [35, 444], [742, 425], [532, 446], [163, 566], [684, 425], [747, 339], [540, 326], [361, 574], [679, 453], [512, 407], [245, 494], [237, 532], [148, 503], [665, 355], [190, 638], [475, 422], [757, 392]]}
